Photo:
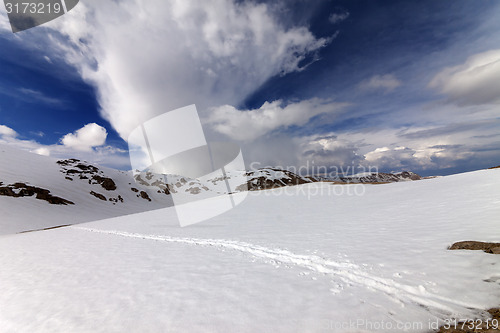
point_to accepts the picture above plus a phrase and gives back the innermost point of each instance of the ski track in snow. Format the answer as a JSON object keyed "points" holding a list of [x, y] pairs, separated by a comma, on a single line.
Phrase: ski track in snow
{"points": [[348, 273]]}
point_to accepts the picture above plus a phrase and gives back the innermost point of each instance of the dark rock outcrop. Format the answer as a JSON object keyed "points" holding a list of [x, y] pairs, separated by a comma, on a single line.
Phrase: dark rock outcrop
{"points": [[98, 196], [18, 190], [381, 178], [84, 171], [107, 183], [264, 179], [144, 195], [493, 248]]}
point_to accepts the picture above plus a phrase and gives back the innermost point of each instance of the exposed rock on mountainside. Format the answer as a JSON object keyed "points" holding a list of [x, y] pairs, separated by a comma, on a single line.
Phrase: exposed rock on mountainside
{"points": [[98, 196], [73, 167], [261, 179], [178, 184], [107, 183], [19, 190], [272, 178], [266, 178], [88, 192], [145, 196], [151, 180], [380, 178]]}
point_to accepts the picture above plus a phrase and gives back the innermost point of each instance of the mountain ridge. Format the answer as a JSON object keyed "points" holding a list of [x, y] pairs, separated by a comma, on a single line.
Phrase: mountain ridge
{"points": [[78, 190]]}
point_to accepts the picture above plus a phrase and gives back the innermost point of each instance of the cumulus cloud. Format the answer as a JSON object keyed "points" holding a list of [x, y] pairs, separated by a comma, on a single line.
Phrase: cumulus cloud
{"points": [[87, 137], [7, 131], [423, 158], [396, 158], [252, 124], [425, 149], [387, 83], [473, 83], [177, 53], [432, 147], [382, 149], [105, 155], [330, 151]]}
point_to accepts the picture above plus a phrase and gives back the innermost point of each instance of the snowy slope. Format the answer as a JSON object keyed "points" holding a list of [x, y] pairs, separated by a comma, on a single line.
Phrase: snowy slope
{"points": [[40, 192], [309, 258], [52, 192], [95, 192]]}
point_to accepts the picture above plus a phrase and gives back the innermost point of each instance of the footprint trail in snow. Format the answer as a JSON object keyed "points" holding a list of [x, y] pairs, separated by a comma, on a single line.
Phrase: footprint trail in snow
{"points": [[346, 272]]}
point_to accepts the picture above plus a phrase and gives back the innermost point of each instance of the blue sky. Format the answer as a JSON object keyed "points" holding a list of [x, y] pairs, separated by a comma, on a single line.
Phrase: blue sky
{"points": [[399, 85]]}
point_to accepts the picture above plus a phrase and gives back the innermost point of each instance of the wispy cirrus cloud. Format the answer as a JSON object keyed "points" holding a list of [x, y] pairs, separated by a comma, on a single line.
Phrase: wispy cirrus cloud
{"points": [[386, 83], [31, 96], [452, 128], [338, 16], [474, 82], [38, 97]]}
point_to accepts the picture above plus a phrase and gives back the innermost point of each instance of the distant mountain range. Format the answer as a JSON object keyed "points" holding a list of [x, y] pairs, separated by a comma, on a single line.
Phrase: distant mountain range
{"points": [[77, 190]]}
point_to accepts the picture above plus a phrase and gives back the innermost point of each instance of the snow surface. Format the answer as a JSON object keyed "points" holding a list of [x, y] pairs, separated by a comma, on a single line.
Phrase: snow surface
{"points": [[28, 213], [310, 258]]}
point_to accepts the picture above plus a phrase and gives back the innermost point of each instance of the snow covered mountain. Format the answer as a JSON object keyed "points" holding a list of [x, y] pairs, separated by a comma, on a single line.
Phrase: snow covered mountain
{"points": [[379, 177], [72, 191], [39, 192], [319, 256]]}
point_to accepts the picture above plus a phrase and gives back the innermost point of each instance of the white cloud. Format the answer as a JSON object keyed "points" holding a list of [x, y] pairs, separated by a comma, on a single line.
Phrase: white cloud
{"points": [[215, 53], [426, 157], [4, 22], [7, 131], [252, 124], [387, 82], [37, 96], [338, 16], [87, 137], [42, 151], [38, 133], [329, 151], [472, 83], [103, 155], [395, 158], [383, 149], [390, 149], [175, 53]]}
